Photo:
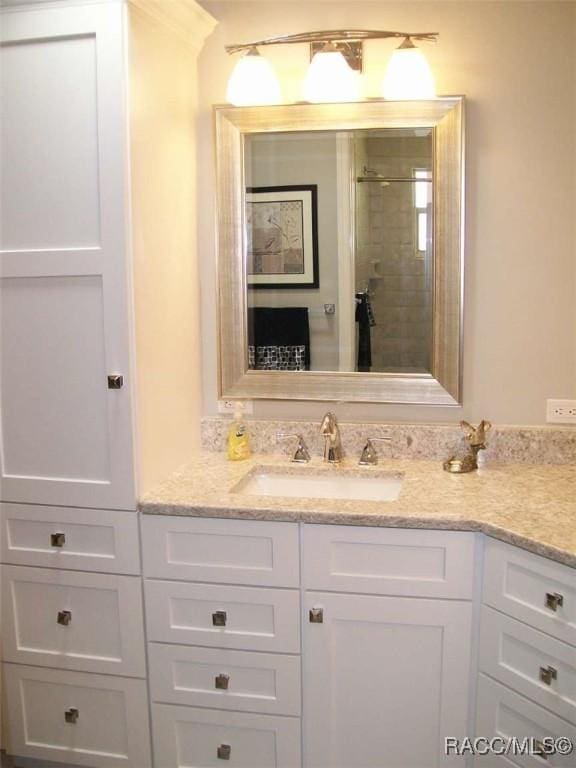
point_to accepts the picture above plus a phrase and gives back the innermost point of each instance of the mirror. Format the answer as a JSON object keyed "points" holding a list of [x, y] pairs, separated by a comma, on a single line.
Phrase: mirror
{"points": [[340, 251]]}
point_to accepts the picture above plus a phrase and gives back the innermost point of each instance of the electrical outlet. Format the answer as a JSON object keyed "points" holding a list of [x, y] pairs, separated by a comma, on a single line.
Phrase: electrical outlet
{"points": [[561, 411], [229, 406]]}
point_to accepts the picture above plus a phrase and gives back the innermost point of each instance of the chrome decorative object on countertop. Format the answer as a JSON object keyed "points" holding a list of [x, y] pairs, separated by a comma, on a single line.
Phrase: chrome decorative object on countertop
{"points": [[476, 437]]}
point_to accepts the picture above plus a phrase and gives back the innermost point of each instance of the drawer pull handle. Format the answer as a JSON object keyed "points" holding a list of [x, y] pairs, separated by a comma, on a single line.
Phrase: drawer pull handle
{"points": [[224, 751], [553, 600], [539, 750], [115, 381], [221, 682], [64, 618], [57, 539], [547, 674], [219, 619], [71, 715], [316, 615]]}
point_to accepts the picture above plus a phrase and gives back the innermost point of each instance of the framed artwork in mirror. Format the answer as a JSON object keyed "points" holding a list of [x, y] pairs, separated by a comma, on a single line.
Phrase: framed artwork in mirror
{"points": [[282, 237]]}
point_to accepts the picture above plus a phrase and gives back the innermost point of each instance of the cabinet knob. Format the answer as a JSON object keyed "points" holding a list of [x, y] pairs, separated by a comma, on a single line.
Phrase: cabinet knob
{"points": [[219, 619], [316, 615], [221, 682], [57, 539], [224, 751], [71, 715], [547, 674], [115, 381], [64, 618], [553, 600]]}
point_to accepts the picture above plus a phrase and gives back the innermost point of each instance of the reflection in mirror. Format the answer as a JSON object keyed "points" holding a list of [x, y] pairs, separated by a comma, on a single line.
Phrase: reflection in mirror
{"points": [[339, 262], [340, 251]]}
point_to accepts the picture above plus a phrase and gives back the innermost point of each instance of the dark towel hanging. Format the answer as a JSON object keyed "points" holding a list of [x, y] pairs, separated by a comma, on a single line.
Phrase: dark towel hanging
{"points": [[279, 338], [365, 319]]}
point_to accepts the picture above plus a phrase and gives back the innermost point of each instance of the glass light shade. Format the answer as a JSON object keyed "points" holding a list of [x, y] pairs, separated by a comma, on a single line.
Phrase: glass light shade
{"points": [[253, 82], [408, 76], [330, 79]]}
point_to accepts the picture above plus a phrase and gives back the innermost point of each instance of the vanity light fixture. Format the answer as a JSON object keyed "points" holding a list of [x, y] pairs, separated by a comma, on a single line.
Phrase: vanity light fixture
{"points": [[253, 82], [408, 74], [330, 78], [336, 61]]}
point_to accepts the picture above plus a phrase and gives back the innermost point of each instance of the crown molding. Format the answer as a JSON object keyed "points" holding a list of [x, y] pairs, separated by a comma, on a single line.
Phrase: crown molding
{"points": [[184, 18]]}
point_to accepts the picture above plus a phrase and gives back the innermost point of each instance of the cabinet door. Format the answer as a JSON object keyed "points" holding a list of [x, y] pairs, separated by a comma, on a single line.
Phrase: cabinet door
{"points": [[521, 730], [244, 618], [186, 737], [90, 622], [100, 721], [69, 538], [243, 681], [225, 551], [385, 680], [530, 588], [67, 436], [532, 663], [388, 561]]}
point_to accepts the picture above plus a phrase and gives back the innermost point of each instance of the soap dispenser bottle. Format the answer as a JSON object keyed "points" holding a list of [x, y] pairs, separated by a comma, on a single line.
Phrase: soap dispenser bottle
{"points": [[238, 437]]}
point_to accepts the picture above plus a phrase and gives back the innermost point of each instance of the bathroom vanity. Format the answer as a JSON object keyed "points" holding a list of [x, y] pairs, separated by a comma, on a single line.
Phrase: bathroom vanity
{"points": [[294, 631], [357, 622], [346, 607]]}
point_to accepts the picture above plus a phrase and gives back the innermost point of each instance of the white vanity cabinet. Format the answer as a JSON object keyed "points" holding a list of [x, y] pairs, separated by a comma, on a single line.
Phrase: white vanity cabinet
{"points": [[223, 626], [527, 660], [74, 672], [97, 151], [385, 672], [97, 154], [386, 652]]}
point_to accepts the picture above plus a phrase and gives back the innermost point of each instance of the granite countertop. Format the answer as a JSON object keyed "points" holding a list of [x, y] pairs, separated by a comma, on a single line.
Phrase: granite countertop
{"points": [[530, 506]]}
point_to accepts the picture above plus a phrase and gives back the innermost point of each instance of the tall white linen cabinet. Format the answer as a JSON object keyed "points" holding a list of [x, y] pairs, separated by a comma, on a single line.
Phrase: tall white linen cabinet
{"points": [[100, 371]]}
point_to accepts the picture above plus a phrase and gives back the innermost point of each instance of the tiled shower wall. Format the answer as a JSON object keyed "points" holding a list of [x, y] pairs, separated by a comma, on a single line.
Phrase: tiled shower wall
{"points": [[387, 260]]}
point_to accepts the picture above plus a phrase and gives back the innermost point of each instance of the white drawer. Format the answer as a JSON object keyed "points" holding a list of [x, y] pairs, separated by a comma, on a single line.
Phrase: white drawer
{"points": [[102, 631], [90, 539], [531, 588], [111, 728], [388, 561], [223, 679], [246, 618], [505, 714], [535, 664], [223, 551], [185, 737]]}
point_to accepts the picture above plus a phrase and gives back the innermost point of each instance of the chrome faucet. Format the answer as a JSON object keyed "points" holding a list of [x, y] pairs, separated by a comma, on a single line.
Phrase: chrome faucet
{"points": [[333, 444]]}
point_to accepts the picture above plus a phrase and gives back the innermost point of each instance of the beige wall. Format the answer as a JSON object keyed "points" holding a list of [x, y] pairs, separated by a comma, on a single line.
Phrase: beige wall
{"points": [[166, 279], [515, 63]]}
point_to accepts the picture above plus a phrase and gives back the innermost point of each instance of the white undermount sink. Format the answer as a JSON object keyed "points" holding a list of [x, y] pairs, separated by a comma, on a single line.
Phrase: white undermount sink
{"points": [[345, 484]]}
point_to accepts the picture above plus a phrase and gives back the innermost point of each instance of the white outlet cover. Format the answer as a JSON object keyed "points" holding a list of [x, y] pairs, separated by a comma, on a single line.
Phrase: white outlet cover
{"points": [[561, 411], [229, 406]]}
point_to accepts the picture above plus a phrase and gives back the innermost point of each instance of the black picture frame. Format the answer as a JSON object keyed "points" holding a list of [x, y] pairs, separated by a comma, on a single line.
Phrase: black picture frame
{"points": [[283, 255]]}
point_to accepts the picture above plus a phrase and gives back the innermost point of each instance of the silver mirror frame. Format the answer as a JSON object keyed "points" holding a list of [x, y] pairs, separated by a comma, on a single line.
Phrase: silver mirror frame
{"points": [[443, 386]]}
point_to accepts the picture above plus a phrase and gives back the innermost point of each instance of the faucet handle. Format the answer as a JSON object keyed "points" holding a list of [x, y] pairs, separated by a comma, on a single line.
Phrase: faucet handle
{"points": [[369, 455], [301, 454]]}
